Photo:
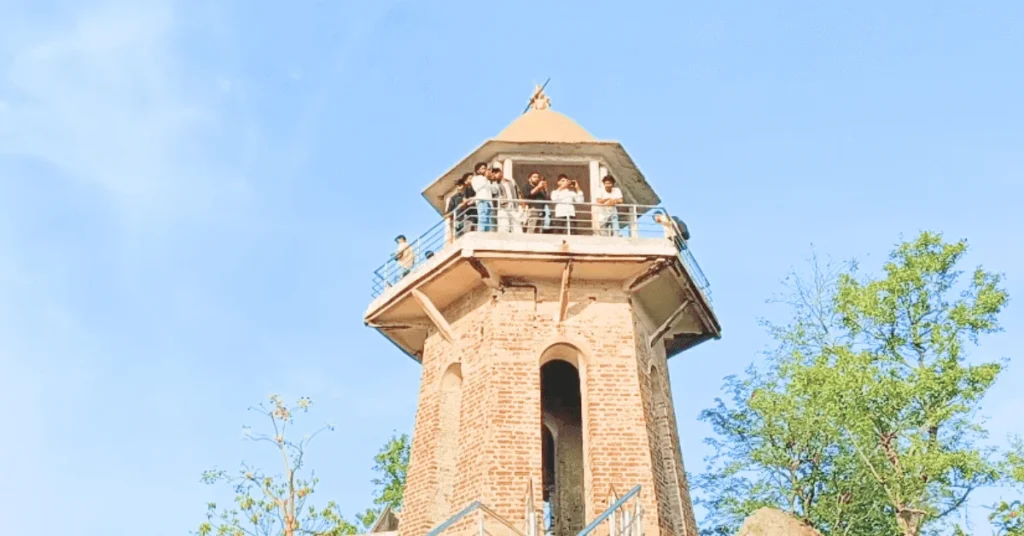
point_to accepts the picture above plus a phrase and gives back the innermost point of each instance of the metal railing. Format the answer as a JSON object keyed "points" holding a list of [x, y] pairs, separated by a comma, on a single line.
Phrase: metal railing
{"points": [[461, 521], [521, 216], [624, 516], [532, 521]]}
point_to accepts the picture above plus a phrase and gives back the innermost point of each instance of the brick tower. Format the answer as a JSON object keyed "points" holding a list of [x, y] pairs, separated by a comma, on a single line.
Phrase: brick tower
{"points": [[545, 392]]}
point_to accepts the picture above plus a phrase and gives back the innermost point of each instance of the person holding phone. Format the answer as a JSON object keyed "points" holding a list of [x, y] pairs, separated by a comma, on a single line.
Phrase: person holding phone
{"points": [[537, 206], [565, 199]]}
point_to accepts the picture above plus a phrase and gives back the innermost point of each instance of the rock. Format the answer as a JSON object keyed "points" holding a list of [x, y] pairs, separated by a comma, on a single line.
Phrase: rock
{"points": [[772, 522]]}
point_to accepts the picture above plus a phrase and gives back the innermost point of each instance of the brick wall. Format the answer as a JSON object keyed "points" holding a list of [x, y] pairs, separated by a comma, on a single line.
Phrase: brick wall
{"points": [[423, 504], [503, 336], [672, 444], [448, 441]]}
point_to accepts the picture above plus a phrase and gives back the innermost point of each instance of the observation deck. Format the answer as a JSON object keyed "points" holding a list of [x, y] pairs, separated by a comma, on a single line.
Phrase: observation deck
{"points": [[638, 247]]}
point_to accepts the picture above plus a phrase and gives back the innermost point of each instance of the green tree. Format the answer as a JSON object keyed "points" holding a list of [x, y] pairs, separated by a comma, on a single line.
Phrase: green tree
{"points": [[274, 504], [904, 394], [863, 422], [1008, 516], [391, 464], [776, 444]]}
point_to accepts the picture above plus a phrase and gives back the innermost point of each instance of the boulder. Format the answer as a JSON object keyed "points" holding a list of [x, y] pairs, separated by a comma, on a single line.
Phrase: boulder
{"points": [[772, 522]]}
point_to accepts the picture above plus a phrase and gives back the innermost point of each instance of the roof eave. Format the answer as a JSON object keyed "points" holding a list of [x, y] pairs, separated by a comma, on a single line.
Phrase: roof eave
{"points": [[641, 191]]}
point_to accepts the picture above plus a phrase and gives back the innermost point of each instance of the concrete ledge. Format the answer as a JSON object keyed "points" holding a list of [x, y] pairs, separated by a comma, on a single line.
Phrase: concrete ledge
{"points": [[523, 245]]}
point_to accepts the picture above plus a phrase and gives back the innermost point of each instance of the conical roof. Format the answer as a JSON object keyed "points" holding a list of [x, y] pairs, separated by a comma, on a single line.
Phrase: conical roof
{"points": [[544, 126], [544, 132]]}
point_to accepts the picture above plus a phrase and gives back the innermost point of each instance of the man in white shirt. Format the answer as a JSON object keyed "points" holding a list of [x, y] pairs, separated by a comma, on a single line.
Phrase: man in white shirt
{"points": [[605, 210], [482, 186], [564, 199], [508, 195], [405, 258]]}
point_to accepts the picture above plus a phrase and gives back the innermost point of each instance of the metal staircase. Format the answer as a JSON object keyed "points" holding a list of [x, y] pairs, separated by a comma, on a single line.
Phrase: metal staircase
{"points": [[624, 517]]}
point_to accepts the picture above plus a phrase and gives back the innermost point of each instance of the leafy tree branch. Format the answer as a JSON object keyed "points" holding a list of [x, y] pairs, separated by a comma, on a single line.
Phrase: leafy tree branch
{"points": [[862, 420]]}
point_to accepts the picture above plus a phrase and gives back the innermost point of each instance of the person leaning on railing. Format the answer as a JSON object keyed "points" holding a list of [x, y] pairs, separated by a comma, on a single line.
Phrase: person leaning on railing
{"points": [[469, 195], [506, 193], [459, 204], [605, 211], [481, 185], [404, 256], [675, 229]]}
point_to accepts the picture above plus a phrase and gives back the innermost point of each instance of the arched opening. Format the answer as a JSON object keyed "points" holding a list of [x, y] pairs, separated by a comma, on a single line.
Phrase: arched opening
{"points": [[448, 442], [562, 409]]}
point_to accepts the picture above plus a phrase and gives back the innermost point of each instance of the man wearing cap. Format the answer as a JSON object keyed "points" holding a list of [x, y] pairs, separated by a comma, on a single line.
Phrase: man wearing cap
{"points": [[506, 195]]}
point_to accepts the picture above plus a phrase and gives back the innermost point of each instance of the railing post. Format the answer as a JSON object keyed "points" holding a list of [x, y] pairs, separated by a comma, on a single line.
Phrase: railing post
{"points": [[634, 225], [480, 520], [531, 511]]}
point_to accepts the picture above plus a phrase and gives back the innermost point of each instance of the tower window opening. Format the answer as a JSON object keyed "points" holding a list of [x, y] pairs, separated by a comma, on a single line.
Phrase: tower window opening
{"points": [[561, 406]]}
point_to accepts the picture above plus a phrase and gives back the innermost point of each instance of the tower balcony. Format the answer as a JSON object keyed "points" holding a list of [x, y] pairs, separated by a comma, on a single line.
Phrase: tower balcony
{"points": [[636, 246]]}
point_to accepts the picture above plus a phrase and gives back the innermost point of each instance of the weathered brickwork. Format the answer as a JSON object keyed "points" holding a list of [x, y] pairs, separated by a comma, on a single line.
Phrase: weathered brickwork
{"points": [[421, 509], [667, 502], [448, 442], [502, 339], [671, 443], [675, 510]]}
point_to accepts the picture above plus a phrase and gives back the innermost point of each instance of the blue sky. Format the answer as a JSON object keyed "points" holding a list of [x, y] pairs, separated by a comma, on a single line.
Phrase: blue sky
{"points": [[193, 196]]}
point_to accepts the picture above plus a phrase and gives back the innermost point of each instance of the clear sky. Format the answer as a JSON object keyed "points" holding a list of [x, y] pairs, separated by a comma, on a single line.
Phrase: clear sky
{"points": [[193, 196]]}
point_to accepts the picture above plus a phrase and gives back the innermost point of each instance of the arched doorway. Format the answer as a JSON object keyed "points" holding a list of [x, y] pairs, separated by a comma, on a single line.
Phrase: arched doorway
{"points": [[562, 409]]}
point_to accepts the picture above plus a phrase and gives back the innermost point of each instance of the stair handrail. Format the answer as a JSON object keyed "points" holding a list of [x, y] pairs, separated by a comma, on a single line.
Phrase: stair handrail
{"points": [[531, 511], [611, 511], [474, 506]]}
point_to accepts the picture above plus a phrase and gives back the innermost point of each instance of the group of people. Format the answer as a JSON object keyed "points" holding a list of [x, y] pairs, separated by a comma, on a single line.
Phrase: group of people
{"points": [[486, 200]]}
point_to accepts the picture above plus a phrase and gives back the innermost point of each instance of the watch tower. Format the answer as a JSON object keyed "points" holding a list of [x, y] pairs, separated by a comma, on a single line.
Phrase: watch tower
{"points": [[544, 404]]}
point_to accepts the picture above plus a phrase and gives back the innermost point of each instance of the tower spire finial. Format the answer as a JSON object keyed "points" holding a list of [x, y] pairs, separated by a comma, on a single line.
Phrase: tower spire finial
{"points": [[539, 100]]}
